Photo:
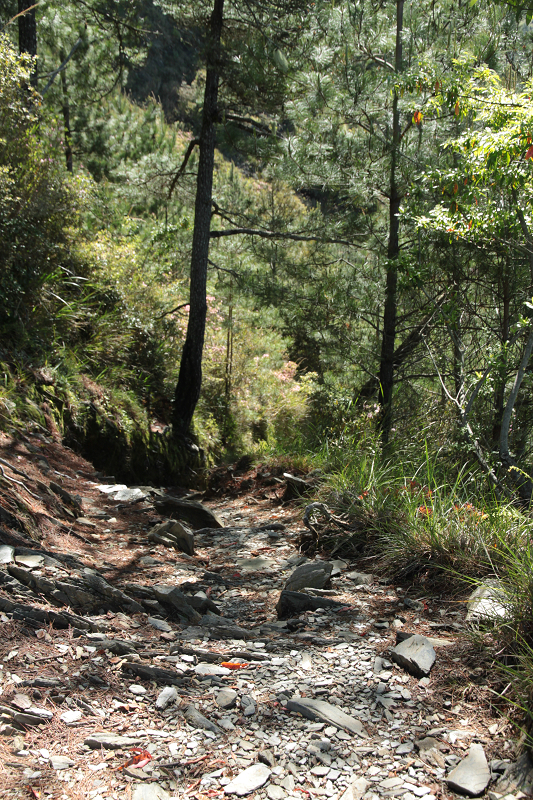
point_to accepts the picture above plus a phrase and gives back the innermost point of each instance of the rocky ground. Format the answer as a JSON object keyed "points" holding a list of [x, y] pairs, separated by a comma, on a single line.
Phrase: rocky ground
{"points": [[132, 669]]}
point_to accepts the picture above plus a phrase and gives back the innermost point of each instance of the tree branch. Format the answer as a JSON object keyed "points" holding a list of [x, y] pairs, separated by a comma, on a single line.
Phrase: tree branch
{"points": [[265, 234], [179, 173]]}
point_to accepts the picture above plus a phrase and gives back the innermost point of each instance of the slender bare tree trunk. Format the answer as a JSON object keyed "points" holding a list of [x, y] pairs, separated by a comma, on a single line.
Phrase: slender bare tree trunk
{"points": [[189, 384], [386, 370]]}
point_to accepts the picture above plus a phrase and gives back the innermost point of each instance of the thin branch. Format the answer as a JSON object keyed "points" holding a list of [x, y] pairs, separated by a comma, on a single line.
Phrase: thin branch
{"points": [[172, 311], [265, 234], [231, 272], [179, 173], [62, 67]]}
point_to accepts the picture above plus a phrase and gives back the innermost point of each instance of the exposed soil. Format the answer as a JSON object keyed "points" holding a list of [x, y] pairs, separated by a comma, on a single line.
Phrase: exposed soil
{"points": [[111, 537]]}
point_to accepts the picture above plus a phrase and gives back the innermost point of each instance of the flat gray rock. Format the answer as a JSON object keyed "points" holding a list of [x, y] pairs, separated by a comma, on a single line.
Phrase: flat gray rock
{"points": [[61, 762], [248, 781], [211, 669], [313, 575], [472, 775], [196, 514], [172, 596], [129, 495], [159, 624], [149, 791], [197, 720], [415, 654], [30, 561], [110, 741], [226, 698], [326, 712]]}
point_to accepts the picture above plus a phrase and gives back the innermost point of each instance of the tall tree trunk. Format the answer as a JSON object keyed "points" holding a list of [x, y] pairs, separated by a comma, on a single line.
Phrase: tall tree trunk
{"points": [[27, 24], [386, 369], [499, 386], [66, 116], [190, 376]]}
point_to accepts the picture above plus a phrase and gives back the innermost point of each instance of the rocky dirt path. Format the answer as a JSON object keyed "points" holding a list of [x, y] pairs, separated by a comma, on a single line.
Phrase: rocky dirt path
{"points": [[129, 669]]}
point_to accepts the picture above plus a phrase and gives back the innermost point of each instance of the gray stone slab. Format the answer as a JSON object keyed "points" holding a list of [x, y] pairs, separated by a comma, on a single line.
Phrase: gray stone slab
{"points": [[415, 654], [61, 762], [472, 775], [326, 712], [226, 698], [30, 561], [171, 595], [197, 720], [195, 514], [211, 669], [248, 781], [110, 741], [313, 575]]}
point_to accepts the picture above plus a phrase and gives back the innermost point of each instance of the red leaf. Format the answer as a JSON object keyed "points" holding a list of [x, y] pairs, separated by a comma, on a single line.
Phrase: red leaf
{"points": [[529, 153]]}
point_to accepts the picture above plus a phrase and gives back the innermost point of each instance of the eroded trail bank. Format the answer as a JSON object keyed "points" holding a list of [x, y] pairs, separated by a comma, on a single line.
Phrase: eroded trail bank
{"points": [[133, 669]]}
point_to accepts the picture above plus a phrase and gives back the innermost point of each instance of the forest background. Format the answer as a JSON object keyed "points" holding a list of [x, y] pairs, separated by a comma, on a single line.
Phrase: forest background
{"points": [[319, 215]]}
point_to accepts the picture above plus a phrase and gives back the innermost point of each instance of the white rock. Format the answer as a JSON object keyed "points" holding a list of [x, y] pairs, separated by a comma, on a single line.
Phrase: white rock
{"points": [[248, 781]]}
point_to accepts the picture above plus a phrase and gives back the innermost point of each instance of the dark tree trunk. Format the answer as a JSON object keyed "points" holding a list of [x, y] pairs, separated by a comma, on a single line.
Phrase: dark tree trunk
{"points": [[28, 33], [499, 386], [66, 117], [190, 376], [386, 369]]}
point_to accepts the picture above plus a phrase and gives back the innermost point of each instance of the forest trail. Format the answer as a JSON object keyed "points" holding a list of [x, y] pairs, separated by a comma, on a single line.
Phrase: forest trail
{"points": [[82, 686]]}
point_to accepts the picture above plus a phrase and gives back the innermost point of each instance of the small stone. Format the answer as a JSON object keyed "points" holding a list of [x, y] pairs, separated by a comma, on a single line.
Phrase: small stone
{"points": [[360, 578], [276, 792], [320, 772], [267, 757], [472, 775], [159, 624], [70, 716], [61, 762], [226, 699], [356, 789], [166, 697], [248, 781], [137, 689], [403, 749], [326, 712], [211, 669], [110, 741]]}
